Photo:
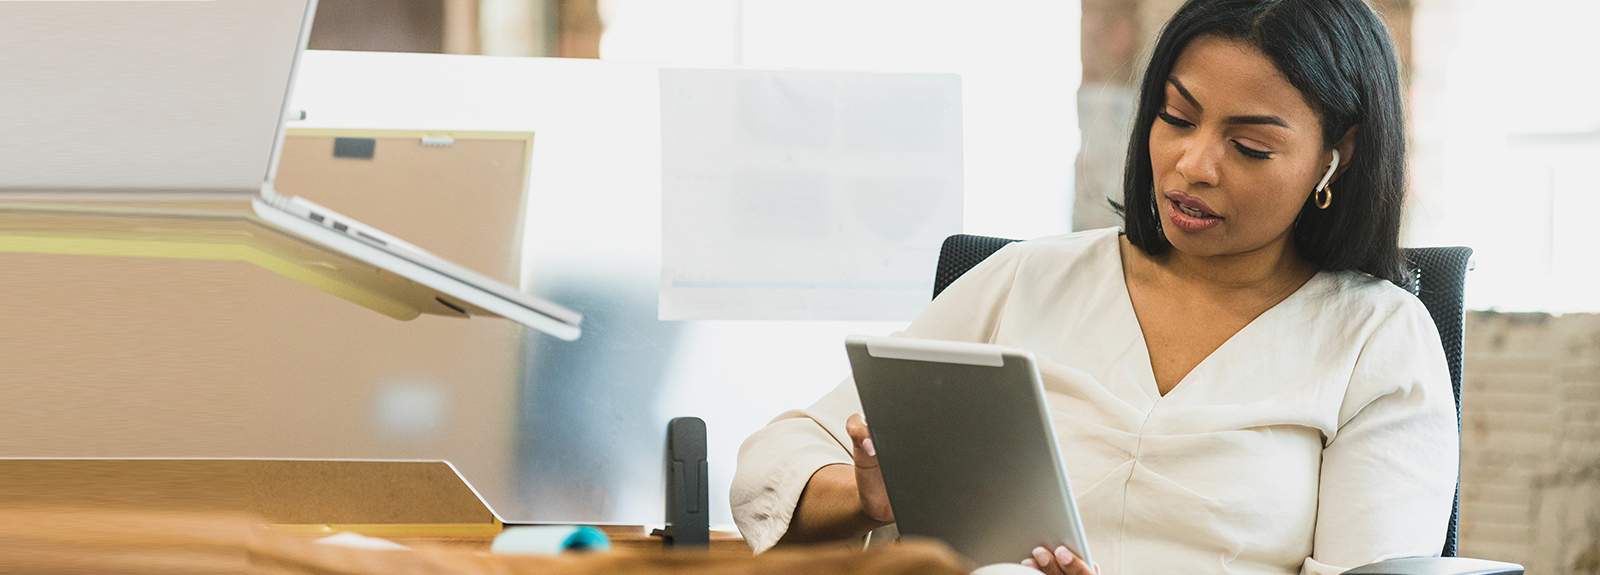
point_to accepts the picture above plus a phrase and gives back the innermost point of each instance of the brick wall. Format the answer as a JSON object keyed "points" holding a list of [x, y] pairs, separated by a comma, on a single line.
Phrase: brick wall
{"points": [[1116, 40], [1530, 460]]}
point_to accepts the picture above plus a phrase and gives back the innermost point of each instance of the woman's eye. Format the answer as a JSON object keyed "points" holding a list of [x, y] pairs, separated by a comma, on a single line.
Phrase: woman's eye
{"points": [[1251, 152], [1174, 120]]}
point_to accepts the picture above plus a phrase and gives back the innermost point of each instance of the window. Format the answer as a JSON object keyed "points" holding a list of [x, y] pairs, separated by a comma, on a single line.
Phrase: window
{"points": [[1506, 143]]}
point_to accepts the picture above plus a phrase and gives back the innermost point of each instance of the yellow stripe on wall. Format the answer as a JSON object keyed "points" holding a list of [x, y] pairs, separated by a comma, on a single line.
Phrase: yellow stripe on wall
{"points": [[208, 251]]}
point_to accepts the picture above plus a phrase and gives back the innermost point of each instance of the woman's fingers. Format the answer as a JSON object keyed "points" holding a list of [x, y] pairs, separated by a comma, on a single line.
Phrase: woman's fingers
{"points": [[1061, 561], [1043, 561], [856, 426], [1071, 564], [863, 452], [869, 479]]}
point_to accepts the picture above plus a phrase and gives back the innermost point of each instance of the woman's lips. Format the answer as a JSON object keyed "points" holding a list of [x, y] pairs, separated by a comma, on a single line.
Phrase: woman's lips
{"points": [[1193, 203], [1189, 213]]}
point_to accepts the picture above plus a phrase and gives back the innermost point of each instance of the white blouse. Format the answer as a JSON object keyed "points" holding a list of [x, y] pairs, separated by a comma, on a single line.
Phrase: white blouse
{"points": [[1320, 437]]}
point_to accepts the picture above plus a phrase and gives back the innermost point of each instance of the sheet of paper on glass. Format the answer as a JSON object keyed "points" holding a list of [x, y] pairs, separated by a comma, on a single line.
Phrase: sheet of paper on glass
{"points": [[805, 195]]}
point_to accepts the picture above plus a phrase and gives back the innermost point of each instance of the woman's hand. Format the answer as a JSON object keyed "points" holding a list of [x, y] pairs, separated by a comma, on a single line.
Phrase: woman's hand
{"points": [[842, 501], [869, 479], [1060, 562]]}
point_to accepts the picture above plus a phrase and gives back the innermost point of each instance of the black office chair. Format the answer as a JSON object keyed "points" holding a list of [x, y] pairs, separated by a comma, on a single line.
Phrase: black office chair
{"points": [[1437, 277]]}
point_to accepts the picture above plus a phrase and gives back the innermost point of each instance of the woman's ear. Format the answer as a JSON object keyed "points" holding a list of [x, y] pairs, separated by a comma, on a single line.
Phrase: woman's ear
{"points": [[1347, 150]]}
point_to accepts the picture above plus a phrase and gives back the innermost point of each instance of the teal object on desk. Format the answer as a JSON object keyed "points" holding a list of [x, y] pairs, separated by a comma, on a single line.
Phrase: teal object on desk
{"points": [[550, 540]]}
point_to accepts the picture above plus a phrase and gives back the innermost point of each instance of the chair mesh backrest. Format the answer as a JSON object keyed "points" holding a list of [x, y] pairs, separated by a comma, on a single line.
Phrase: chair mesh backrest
{"points": [[1437, 277], [959, 253]]}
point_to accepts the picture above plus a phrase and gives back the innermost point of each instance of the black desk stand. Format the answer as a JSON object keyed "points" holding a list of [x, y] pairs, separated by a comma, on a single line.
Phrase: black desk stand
{"points": [[688, 494]]}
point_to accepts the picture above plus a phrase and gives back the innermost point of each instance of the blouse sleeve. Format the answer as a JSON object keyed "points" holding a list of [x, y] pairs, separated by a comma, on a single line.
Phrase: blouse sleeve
{"points": [[1389, 472], [776, 462]]}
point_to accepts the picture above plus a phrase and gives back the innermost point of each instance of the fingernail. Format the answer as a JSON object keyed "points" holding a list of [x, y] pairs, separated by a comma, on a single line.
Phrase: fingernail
{"points": [[1064, 556], [1041, 556], [1028, 563], [867, 445]]}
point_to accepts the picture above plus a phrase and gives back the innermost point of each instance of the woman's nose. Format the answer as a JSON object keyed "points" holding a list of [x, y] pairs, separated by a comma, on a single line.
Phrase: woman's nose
{"points": [[1198, 165]]}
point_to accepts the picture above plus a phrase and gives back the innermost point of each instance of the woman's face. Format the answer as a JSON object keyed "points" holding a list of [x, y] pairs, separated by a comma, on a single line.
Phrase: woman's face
{"points": [[1235, 151]]}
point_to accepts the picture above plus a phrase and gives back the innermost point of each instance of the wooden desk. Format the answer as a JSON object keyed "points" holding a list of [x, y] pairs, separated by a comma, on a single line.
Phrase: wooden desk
{"points": [[624, 538], [111, 541], [182, 517]]}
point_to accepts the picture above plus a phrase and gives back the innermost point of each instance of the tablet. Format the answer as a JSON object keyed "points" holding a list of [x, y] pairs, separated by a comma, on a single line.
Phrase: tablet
{"points": [[966, 446]]}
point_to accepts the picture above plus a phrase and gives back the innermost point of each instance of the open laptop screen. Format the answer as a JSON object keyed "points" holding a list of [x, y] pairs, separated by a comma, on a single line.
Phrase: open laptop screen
{"points": [[168, 96]]}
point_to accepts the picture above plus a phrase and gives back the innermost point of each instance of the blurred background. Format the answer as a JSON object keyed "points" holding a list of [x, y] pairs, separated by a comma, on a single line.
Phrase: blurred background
{"points": [[1498, 109], [1504, 140]]}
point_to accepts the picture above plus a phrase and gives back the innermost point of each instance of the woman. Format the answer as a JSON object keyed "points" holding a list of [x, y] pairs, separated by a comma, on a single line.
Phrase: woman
{"points": [[1238, 384]]}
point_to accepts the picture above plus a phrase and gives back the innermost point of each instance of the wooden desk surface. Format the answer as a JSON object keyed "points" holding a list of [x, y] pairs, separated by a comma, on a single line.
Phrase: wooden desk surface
{"points": [[110, 541], [624, 538], [182, 517]]}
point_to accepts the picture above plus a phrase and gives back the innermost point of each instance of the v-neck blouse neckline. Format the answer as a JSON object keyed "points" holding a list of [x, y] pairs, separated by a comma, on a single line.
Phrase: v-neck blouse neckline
{"points": [[1149, 384]]}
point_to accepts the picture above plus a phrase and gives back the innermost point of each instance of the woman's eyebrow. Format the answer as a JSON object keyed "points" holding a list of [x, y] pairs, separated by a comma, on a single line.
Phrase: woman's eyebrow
{"points": [[1256, 120], [1182, 91], [1231, 120]]}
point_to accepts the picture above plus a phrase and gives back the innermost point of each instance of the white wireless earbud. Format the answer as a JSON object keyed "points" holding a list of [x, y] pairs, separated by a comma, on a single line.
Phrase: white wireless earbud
{"points": [[1331, 167]]}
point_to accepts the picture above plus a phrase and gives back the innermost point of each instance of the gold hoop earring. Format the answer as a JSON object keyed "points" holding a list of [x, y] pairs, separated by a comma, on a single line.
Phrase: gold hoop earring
{"points": [[1324, 197]]}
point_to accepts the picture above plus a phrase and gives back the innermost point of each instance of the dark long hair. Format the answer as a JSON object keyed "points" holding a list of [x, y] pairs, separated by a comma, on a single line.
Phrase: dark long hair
{"points": [[1339, 55]]}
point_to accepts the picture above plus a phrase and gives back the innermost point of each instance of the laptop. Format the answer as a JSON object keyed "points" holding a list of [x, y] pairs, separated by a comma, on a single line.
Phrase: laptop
{"points": [[173, 114]]}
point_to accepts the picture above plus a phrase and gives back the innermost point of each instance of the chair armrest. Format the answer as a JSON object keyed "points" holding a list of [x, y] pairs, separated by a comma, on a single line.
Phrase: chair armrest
{"points": [[1437, 566]]}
